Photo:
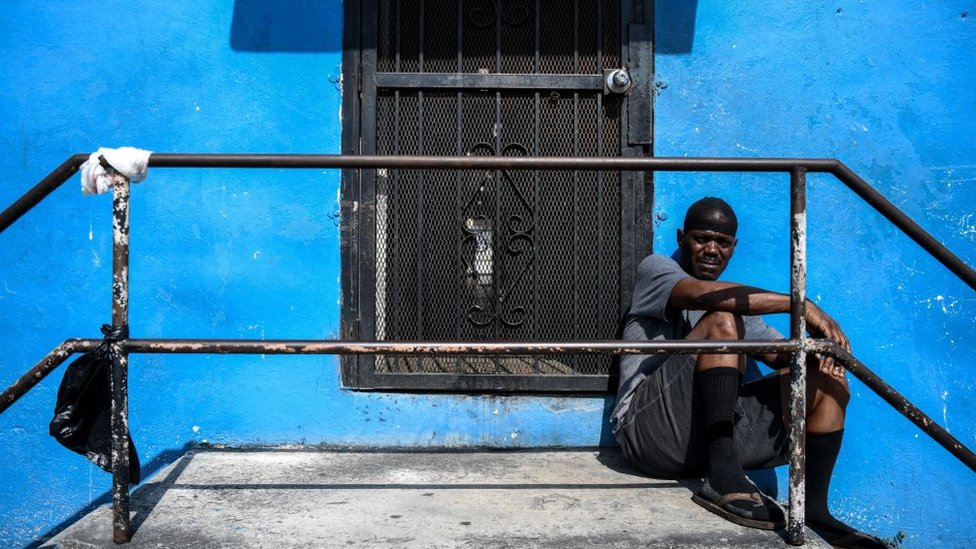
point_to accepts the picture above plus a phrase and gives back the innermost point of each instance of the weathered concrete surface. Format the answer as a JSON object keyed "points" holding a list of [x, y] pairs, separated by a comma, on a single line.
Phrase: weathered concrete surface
{"points": [[312, 498]]}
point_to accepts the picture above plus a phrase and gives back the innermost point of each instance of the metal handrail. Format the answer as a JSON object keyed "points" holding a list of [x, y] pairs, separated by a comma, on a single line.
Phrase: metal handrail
{"points": [[39, 192], [799, 345], [811, 165], [612, 347]]}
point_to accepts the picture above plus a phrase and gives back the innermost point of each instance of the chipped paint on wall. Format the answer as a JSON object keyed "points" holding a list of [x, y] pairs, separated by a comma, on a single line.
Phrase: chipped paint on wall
{"points": [[887, 88]]}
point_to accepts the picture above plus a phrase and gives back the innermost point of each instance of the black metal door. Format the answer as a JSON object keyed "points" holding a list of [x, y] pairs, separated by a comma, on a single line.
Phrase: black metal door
{"points": [[493, 255]]}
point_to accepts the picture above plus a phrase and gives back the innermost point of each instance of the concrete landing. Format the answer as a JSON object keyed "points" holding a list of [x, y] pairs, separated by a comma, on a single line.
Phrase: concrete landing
{"points": [[311, 498]]}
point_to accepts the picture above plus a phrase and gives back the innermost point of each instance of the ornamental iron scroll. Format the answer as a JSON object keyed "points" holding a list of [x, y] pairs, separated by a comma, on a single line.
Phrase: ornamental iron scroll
{"points": [[484, 13], [485, 265]]}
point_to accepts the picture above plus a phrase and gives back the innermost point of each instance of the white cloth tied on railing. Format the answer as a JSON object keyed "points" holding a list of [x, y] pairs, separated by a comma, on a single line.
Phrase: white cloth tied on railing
{"points": [[130, 162]]}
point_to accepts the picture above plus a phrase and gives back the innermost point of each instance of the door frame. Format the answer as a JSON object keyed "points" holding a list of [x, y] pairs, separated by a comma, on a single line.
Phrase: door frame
{"points": [[358, 206]]}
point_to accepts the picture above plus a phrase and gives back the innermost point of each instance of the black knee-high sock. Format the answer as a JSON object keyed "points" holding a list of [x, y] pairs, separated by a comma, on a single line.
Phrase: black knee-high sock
{"points": [[718, 389], [822, 452]]}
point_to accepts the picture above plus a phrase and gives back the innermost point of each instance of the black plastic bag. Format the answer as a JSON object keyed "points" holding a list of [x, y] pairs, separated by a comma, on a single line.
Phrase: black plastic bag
{"points": [[83, 413]]}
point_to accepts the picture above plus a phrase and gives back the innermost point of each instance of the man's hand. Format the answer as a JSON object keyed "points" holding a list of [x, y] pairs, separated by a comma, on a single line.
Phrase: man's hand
{"points": [[820, 325]]}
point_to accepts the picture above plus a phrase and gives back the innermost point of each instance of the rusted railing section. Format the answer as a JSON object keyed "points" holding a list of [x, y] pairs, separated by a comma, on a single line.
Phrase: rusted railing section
{"points": [[415, 348], [119, 379], [39, 192], [897, 401], [798, 364], [670, 164], [798, 345], [44, 367]]}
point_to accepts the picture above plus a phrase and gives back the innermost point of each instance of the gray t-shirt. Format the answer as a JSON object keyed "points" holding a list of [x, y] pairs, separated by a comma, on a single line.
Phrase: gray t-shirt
{"points": [[649, 319]]}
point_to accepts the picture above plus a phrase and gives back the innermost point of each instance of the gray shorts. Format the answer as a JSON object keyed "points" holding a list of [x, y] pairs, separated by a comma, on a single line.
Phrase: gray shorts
{"points": [[662, 435]]}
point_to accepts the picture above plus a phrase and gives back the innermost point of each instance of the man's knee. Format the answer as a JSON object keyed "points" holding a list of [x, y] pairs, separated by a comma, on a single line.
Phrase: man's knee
{"points": [[827, 386], [722, 325]]}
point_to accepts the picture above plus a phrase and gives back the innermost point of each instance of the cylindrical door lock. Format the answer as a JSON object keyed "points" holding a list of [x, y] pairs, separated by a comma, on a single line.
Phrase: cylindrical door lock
{"points": [[616, 81]]}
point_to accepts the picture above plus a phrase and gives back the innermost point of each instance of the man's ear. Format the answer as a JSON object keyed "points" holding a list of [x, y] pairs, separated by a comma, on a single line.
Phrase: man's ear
{"points": [[681, 235], [735, 242]]}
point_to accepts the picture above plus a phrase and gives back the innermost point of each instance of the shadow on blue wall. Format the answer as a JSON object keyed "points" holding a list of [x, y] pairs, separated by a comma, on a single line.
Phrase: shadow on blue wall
{"points": [[311, 26], [147, 470], [674, 25], [286, 26]]}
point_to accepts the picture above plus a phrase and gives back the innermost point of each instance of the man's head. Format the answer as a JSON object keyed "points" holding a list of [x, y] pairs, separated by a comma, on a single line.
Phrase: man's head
{"points": [[707, 240]]}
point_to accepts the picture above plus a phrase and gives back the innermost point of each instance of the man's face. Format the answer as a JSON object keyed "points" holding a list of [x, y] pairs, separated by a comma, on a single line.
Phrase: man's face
{"points": [[705, 253]]}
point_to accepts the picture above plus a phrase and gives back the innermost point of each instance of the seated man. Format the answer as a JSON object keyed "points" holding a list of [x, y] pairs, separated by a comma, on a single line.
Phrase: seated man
{"points": [[690, 415]]}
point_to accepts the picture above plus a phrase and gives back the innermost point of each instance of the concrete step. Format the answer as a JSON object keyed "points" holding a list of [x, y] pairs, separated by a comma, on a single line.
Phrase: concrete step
{"points": [[315, 498]]}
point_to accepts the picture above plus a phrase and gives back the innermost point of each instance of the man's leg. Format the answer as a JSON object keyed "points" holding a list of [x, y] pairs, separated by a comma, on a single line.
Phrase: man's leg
{"points": [[827, 399], [717, 381]]}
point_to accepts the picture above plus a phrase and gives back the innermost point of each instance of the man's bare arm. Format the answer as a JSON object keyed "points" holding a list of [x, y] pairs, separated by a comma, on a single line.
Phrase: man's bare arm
{"points": [[707, 295]]}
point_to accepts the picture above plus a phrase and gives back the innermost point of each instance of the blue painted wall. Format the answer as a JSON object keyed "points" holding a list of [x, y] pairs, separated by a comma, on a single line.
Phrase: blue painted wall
{"points": [[890, 89], [224, 254], [255, 254]]}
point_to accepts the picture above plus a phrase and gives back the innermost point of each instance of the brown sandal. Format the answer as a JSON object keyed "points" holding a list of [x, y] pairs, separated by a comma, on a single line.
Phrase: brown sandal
{"points": [[721, 505]]}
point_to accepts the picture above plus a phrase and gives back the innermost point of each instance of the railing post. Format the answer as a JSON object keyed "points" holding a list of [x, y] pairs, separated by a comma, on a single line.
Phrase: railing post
{"points": [[798, 374], [120, 361]]}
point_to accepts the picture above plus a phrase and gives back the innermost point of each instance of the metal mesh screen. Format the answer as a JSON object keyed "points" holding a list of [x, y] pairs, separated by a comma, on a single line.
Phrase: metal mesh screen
{"points": [[496, 255], [499, 36]]}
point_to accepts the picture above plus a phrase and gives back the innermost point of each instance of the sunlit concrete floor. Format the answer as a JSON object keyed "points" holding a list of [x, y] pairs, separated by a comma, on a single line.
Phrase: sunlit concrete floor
{"points": [[317, 498]]}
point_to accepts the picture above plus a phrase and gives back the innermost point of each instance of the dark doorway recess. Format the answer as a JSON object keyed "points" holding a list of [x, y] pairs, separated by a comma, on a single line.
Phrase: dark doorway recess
{"points": [[492, 255]]}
